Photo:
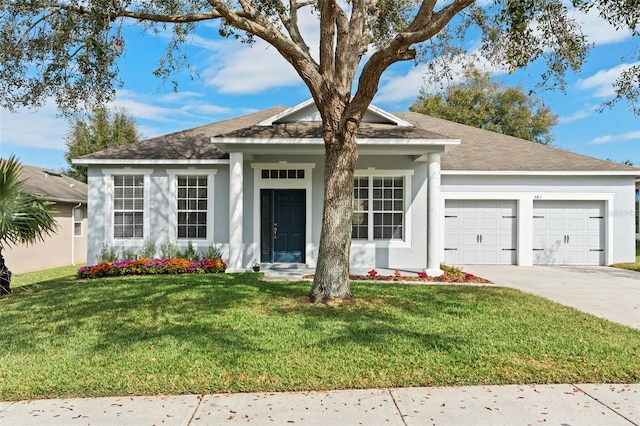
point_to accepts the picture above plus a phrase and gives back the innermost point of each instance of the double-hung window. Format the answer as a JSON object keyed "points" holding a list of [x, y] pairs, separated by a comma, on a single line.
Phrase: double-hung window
{"points": [[379, 208], [192, 198], [128, 206]]}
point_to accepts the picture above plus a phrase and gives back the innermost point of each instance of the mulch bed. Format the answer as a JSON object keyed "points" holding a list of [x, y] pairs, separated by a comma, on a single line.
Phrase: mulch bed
{"points": [[444, 278]]}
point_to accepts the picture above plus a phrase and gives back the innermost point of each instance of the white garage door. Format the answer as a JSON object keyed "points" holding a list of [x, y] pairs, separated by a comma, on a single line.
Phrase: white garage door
{"points": [[568, 233], [480, 231]]}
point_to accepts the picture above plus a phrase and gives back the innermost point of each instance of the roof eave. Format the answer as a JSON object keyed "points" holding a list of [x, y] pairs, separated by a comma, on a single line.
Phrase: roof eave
{"points": [[541, 172], [366, 146], [129, 162]]}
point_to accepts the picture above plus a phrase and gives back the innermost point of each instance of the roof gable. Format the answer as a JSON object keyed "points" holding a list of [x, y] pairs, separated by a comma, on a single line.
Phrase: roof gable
{"points": [[308, 112]]}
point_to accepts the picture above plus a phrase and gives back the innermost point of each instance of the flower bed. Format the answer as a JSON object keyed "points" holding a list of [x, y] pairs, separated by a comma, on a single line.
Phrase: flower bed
{"points": [[446, 277], [450, 275], [152, 266]]}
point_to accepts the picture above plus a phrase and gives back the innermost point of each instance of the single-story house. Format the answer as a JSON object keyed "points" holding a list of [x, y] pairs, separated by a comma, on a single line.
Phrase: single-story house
{"points": [[427, 191], [68, 245]]}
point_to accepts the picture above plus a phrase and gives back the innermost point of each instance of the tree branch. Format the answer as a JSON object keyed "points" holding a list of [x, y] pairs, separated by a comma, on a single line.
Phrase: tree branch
{"points": [[290, 22], [425, 25]]}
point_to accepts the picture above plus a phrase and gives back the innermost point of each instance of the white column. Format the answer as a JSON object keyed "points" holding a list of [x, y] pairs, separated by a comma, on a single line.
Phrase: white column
{"points": [[435, 218], [524, 236], [638, 209], [236, 170]]}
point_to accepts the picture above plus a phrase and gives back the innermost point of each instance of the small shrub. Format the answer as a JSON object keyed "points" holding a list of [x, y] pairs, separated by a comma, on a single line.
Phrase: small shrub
{"points": [[128, 254], [212, 253], [107, 254], [190, 252], [169, 250], [453, 270], [148, 250]]}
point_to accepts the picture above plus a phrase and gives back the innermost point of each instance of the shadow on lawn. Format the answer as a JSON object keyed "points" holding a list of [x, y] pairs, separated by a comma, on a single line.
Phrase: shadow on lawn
{"points": [[224, 314]]}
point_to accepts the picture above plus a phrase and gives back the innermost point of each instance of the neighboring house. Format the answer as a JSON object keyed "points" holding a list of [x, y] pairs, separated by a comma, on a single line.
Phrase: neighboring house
{"points": [[68, 245], [426, 191]]}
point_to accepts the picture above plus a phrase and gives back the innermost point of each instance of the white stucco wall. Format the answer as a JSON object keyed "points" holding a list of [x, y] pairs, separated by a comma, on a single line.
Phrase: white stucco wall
{"points": [[160, 216], [616, 191], [160, 225]]}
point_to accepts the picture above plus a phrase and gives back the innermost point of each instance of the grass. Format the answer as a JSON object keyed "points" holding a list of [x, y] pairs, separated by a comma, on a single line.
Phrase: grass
{"points": [[38, 278], [634, 266], [234, 333]]}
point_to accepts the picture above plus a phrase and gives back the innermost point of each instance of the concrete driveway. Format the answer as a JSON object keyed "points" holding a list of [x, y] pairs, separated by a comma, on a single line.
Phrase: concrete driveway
{"points": [[606, 292]]}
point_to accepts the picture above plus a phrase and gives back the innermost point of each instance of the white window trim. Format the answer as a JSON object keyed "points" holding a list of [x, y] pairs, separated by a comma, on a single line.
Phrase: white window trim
{"points": [[109, 225], [306, 184], [173, 211], [405, 242], [75, 221]]}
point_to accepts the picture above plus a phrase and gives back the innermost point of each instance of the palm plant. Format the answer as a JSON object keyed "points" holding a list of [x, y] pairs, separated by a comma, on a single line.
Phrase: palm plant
{"points": [[24, 217]]}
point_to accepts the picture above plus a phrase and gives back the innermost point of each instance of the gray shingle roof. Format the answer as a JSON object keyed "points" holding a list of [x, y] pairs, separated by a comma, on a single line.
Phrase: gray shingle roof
{"points": [[53, 186], [488, 151], [479, 150], [190, 144]]}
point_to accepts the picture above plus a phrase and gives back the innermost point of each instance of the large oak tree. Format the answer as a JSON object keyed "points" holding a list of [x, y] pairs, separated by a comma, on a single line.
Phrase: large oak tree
{"points": [[68, 49]]}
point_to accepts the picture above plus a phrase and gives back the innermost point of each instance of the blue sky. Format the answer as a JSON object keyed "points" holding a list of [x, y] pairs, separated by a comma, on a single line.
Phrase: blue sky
{"points": [[234, 79]]}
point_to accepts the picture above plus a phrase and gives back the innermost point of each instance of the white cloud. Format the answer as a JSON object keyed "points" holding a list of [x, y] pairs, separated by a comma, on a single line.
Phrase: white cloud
{"points": [[615, 138], [578, 115], [236, 68], [41, 128], [250, 69], [601, 83], [598, 30], [397, 88]]}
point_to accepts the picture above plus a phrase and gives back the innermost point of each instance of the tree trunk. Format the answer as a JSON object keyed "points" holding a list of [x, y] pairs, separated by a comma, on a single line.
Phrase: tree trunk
{"points": [[331, 280]]}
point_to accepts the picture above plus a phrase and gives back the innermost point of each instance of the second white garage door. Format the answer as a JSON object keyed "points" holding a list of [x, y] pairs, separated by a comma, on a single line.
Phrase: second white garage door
{"points": [[482, 231], [568, 232]]}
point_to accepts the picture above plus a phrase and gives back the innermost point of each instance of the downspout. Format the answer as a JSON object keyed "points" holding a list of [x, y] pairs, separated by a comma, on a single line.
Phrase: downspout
{"points": [[73, 233]]}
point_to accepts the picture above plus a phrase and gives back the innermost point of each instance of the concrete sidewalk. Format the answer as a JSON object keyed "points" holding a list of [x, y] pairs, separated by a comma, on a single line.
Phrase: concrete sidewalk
{"points": [[564, 404]]}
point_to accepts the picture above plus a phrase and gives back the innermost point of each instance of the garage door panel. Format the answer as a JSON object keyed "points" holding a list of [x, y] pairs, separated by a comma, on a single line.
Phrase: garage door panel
{"points": [[470, 223], [568, 232], [489, 224], [469, 240], [593, 242], [577, 224], [556, 224]]}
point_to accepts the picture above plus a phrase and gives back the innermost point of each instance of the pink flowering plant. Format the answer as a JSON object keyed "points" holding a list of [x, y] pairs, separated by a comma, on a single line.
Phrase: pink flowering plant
{"points": [[372, 273], [152, 266]]}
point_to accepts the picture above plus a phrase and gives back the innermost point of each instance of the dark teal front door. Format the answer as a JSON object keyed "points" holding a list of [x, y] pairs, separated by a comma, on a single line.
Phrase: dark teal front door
{"points": [[282, 221]]}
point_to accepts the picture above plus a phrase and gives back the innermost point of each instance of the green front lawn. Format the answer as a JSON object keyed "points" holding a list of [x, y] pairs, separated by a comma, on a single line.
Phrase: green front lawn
{"points": [[36, 279], [175, 334]]}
